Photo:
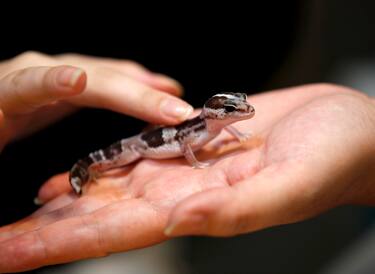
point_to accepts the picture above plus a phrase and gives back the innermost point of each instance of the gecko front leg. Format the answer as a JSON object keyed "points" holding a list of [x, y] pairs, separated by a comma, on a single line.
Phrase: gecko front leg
{"points": [[241, 137], [190, 157]]}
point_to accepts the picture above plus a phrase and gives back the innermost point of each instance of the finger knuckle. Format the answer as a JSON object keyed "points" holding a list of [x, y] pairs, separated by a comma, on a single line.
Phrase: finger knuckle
{"points": [[31, 58], [68, 56], [29, 55], [132, 64]]}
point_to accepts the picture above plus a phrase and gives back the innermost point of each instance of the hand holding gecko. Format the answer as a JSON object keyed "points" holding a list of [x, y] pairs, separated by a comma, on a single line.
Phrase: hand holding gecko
{"points": [[313, 149], [38, 89]]}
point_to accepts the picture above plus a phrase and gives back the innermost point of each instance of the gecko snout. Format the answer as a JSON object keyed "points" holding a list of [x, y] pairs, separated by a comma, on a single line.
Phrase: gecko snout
{"points": [[249, 108]]}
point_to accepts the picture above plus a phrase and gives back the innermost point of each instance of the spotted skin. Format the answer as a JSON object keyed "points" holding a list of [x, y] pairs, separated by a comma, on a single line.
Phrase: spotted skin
{"points": [[219, 112]]}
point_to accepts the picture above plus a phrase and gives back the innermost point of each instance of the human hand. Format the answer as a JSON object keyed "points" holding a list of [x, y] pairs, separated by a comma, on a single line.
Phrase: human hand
{"points": [[37, 89], [313, 149]]}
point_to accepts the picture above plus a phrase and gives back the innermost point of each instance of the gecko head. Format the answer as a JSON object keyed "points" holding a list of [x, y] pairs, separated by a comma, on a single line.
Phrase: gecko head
{"points": [[228, 106]]}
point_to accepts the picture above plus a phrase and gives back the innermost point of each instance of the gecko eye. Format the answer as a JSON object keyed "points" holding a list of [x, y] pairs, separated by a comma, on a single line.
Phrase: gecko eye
{"points": [[229, 108]]}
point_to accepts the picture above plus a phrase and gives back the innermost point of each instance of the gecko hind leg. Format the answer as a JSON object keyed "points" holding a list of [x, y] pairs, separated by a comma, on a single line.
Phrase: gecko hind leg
{"points": [[123, 159], [190, 157]]}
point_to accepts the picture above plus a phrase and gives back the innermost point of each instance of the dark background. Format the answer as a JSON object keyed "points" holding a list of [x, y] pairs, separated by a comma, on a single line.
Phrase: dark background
{"points": [[248, 49]]}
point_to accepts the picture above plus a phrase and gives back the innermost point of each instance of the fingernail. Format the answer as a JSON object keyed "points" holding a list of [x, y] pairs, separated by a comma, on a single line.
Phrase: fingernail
{"points": [[168, 231], [176, 109], [69, 77], [38, 202], [193, 225]]}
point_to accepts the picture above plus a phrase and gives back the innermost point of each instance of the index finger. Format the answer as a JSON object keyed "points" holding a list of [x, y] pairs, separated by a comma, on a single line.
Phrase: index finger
{"points": [[110, 89]]}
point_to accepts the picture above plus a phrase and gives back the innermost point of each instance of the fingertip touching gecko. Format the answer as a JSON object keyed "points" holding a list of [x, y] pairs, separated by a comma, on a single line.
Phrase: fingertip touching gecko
{"points": [[219, 112]]}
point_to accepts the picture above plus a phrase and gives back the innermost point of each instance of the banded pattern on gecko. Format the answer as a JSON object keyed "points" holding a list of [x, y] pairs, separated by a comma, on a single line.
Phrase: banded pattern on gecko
{"points": [[218, 113]]}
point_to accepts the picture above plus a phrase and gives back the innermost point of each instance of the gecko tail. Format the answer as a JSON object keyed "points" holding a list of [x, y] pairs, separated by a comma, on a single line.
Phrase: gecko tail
{"points": [[83, 171], [79, 175]]}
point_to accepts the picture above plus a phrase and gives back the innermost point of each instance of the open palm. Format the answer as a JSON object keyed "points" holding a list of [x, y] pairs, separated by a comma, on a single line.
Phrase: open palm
{"points": [[307, 154]]}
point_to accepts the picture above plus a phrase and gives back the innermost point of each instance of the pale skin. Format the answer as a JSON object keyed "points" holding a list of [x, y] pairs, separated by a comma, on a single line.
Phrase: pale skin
{"points": [[38, 89], [313, 148]]}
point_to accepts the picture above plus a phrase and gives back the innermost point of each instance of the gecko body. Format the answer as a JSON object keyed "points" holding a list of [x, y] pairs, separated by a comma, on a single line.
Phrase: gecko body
{"points": [[218, 113]]}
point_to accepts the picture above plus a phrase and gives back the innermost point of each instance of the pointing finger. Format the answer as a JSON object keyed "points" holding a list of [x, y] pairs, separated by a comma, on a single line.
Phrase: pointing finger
{"points": [[129, 68], [110, 89]]}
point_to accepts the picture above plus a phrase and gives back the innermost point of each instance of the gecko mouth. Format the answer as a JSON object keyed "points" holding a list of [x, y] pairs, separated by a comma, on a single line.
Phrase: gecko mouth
{"points": [[247, 110]]}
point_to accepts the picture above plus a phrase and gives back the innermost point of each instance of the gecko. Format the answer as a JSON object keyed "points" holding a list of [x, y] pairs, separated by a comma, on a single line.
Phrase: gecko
{"points": [[218, 113]]}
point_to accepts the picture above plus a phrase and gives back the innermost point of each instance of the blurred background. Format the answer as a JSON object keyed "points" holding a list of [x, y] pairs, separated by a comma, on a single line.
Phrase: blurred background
{"points": [[262, 46]]}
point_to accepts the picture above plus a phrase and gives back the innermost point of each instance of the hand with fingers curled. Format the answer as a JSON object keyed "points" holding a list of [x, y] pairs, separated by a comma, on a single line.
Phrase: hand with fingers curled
{"points": [[312, 149], [37, 89]]}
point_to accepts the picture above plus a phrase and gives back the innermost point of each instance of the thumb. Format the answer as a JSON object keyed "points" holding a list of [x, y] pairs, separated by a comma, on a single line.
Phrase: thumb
{"points": [[25, 90], [249, 205]]}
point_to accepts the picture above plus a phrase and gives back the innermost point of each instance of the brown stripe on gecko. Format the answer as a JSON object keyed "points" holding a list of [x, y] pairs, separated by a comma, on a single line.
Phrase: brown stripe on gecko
{"points": [[216, 102], [97, 156], [153, 138], [193, 125], [113, 150], [200, 127], [85, 162], [189, 123], [80, 170]]}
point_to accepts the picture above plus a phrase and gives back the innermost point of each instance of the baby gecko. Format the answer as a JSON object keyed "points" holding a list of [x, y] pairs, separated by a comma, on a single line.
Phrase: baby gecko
{"points": [[219, 112]]}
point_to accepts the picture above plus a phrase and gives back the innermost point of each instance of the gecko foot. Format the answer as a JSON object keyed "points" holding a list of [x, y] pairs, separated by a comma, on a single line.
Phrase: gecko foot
{"points": [[94, 175], [244, 137], [200, 165]]}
